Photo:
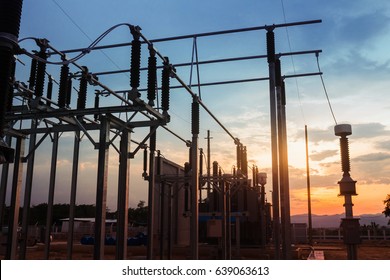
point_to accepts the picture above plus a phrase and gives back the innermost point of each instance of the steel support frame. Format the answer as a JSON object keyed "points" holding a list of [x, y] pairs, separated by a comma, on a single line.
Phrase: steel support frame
{"points": [[107, 121], [73, 192], [4, 183], [102, 168], [50, 203], [28, 191], [151, 196], [24, 113], [12, 238], [123, 196], [101, 188]]}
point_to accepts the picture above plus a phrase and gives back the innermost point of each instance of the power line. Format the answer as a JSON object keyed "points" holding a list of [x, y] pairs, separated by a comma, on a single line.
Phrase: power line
{"points": [[71, 19], [296, 80], [84, 33], [293, 63], [326, 92], [89, 38]]}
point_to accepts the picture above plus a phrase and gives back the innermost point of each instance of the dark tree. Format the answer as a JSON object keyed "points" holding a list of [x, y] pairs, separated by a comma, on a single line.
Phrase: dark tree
{"points": [[386, 211], [139, 215]]}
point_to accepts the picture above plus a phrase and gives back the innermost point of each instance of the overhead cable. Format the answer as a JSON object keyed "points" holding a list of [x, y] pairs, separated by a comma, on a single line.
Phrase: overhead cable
{"points": [[293, 63], [326, 92], [83, 52]]}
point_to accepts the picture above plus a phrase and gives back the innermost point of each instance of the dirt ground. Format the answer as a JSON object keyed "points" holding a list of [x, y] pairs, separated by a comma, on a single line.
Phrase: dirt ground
{"points": [[369, 250]]}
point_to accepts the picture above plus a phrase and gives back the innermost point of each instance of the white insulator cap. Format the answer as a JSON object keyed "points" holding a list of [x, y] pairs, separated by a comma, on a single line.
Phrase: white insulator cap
{"points": [[342, 130]]}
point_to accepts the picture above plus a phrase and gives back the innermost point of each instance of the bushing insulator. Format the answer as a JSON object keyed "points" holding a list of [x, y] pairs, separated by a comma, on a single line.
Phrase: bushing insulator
{"points": [[200, 164], [215, 168], [283, 95], [33, 74], [82, 99], [135, 63], [158, 163], [49, 91], [152, 76], [195, 117], [238, 155], [254, 177], [41, 74], [270, 46], [69, 91], [10, 15], [63, 87], [6, 60], [10, 92], [187, 167], [244, 164], [345, 161], [186, 199], [278, 73], [152, 141], [165, 87], [145, 163], [96, 105]]}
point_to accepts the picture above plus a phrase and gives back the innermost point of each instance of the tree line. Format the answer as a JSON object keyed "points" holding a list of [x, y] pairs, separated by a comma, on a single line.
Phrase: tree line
{"points": [[38, 213]]}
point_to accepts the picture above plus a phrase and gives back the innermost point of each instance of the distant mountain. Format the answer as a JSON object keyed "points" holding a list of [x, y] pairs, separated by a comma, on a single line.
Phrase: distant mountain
{"points": [[332, 221]]}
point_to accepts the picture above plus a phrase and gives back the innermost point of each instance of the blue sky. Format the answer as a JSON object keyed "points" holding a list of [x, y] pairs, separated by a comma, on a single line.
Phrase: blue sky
{"points": [[354, 37]]}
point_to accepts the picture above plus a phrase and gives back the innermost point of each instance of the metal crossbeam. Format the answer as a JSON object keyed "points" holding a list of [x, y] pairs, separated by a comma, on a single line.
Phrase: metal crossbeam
{"points": [[213, 61], [197, 35], [25, 114]]}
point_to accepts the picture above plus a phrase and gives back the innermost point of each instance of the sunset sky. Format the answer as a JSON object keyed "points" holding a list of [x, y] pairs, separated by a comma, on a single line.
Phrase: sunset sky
{"points": [[354, 37]]}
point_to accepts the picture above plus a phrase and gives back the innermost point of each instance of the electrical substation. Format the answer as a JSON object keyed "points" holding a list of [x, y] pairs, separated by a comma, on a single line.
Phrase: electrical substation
{"points": [[189, 204]]}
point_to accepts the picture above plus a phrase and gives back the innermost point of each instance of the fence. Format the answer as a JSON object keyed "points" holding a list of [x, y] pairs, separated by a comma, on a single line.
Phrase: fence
{"points": [[365, 234]]}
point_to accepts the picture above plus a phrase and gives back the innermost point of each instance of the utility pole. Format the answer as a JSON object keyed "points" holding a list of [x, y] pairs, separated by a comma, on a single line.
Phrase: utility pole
{"points": [[308, 189], [274, 141], [194, 180], [283, 162]]}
